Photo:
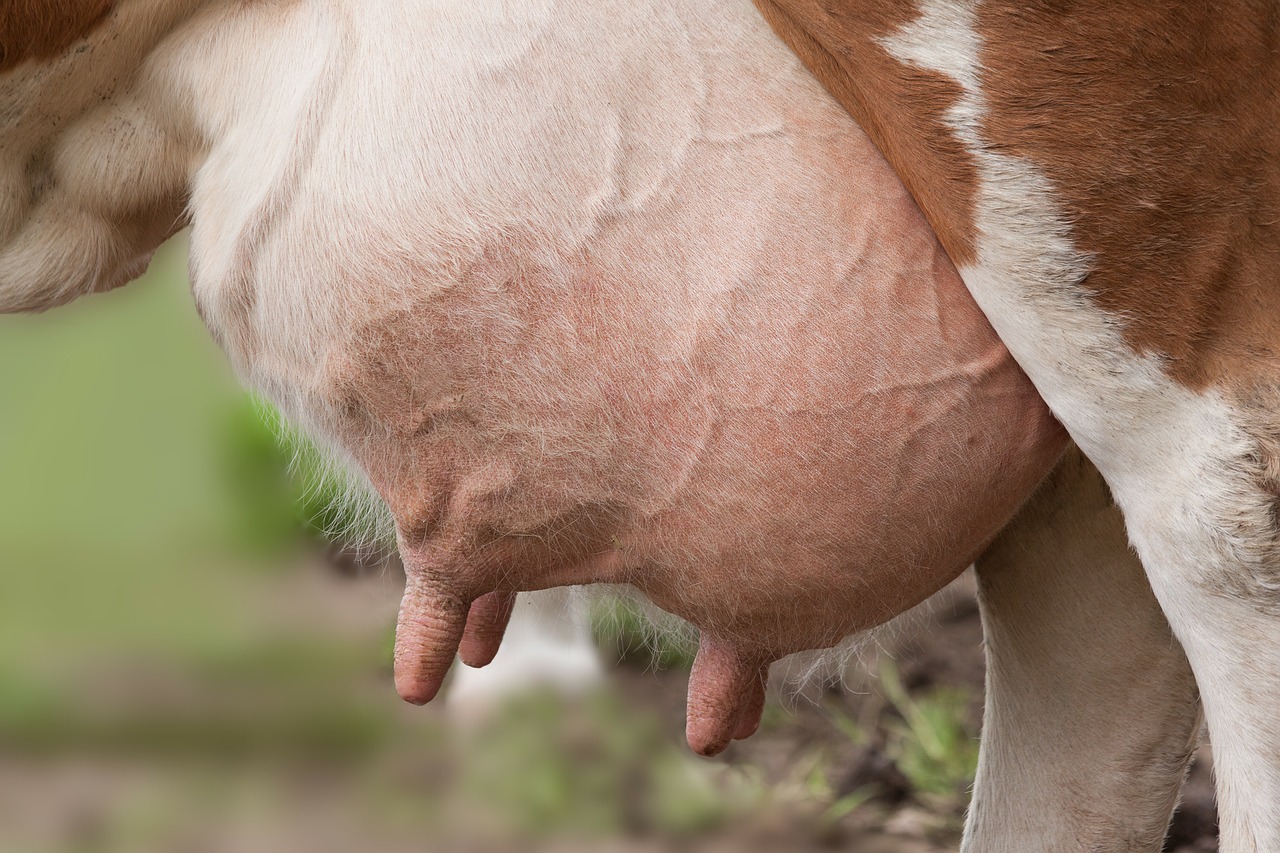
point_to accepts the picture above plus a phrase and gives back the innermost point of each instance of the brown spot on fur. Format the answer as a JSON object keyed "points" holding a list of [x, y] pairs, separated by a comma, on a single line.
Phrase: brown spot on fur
{"points": [[1159, 126], [901, 108], [32, 30]]}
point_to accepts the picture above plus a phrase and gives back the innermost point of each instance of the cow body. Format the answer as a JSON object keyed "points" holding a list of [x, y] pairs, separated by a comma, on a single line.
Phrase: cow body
{"points": [[1107, 179], [661, 316], [566, 341]]}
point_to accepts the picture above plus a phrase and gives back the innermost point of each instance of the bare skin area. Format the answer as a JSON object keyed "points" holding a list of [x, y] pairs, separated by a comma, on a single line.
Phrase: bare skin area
{"points": [[659, 316], [784, 459]]}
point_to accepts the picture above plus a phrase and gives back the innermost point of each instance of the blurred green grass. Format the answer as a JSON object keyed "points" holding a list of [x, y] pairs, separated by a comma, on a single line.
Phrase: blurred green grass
{"points": [[150, 532], [118, 522]]}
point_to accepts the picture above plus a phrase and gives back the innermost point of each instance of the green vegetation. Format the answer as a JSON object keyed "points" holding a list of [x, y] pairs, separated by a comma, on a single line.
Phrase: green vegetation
{"points": [[596, 769], [932, 743], [118, 526], [629, 635]]}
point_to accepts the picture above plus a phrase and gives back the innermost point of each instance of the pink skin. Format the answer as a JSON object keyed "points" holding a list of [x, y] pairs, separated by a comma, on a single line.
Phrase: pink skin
{"points": [[669, 322], [797, 450]]}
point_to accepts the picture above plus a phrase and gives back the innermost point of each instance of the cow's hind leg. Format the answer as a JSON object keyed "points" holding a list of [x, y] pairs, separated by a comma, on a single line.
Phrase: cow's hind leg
{"points": [[1211, 546], [1091, 709]]}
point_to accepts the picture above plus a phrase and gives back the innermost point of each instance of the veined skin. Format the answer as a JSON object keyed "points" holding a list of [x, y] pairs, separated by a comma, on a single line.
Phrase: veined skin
{"points": [[590, 292]]}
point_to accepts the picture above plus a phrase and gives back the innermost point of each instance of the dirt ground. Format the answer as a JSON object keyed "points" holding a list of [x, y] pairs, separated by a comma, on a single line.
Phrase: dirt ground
{"points": [[943, 652], [218, 760]]}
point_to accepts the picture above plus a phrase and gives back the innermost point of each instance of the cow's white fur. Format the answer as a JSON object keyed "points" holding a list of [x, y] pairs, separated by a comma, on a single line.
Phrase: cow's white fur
{"points": [[1176, 460], [1082, 748], [91, 179]]}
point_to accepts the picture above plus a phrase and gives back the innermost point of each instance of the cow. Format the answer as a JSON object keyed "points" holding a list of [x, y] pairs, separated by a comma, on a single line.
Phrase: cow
{"points": [[614, 292], [1107, 179]]}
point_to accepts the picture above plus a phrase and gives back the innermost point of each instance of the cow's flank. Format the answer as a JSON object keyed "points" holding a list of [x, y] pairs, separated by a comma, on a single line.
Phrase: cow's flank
{"points": [[92, 164], [1156, 124], [1126, 221], [1165, 148]]}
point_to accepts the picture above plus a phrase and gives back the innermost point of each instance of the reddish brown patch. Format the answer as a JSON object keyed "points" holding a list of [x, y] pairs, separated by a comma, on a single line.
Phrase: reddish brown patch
{"points": [[901, 108], [1159, 126], [1157, 123], [32, 30]]}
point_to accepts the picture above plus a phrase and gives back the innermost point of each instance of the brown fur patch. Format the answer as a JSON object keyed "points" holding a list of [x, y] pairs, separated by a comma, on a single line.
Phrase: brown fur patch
{"points": [[40, 29], [902, 109], [1159, 125]]}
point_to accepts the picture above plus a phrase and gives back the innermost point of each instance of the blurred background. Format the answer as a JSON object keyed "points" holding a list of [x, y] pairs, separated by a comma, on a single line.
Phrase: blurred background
{"points": [[186, 664]]}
